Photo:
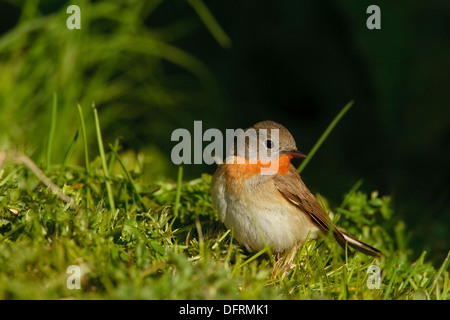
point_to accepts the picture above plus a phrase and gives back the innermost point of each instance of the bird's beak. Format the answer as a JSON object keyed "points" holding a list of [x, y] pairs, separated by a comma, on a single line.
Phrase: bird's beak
{"points": [[295, 153]]}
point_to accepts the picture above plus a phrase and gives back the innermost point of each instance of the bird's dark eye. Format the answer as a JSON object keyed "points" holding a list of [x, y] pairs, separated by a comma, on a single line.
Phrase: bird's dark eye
{"points": [[269, 144]]}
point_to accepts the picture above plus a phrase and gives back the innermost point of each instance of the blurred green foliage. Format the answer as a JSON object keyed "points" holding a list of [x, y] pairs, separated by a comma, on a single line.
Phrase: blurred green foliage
{"points": [[128, 70]]}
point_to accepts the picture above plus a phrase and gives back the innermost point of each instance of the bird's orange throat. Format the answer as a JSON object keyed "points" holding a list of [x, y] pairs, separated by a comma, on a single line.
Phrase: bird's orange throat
{"points": [[237, 171]]}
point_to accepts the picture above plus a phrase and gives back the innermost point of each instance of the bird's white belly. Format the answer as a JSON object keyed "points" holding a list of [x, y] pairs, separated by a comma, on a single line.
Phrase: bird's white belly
{"points": [[263, 218]]}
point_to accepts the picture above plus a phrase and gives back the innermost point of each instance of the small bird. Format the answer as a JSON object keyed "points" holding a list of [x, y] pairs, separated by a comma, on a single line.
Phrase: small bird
{"points": [[264, 200]]}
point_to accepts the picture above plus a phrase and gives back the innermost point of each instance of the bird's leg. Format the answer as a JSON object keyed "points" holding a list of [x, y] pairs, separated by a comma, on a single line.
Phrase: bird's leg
{"points": [[283, 262]]}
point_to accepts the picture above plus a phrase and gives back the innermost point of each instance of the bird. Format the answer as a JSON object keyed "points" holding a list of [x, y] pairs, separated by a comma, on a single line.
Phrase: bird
{"points": [[259, 194]]}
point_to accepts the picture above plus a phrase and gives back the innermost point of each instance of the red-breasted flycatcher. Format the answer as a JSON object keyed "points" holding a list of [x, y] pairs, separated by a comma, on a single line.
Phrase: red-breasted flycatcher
{"points": [[265, 201]]}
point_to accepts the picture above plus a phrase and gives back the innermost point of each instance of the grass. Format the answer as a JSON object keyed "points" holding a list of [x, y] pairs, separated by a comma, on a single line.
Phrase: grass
{"points": [[164, 241], [324, 136]]}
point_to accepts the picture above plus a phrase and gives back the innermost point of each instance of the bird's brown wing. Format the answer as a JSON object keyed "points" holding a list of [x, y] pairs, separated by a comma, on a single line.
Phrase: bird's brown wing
{"points": [[296, 192]]}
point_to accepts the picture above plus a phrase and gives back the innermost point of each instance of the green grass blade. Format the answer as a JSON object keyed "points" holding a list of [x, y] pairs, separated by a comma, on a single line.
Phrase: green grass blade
{"points": [[256, 255], [443, 267], [113, 155], [396, 268], [230, 247], [85, 144], [210, 22], [9, 177], [352, 191], [103, 158], [51, 133], [128, 176], [324, 136], [177, 195], [66, 158], [215, 245], [419, 262], [86, 155]]}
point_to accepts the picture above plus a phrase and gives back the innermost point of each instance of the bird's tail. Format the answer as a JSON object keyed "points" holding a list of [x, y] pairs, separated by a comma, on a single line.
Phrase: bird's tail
{"points": [[344, 239]]}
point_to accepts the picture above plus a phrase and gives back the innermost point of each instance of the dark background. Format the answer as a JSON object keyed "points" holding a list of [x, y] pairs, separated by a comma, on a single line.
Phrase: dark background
{"points": [[299, 63]]}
